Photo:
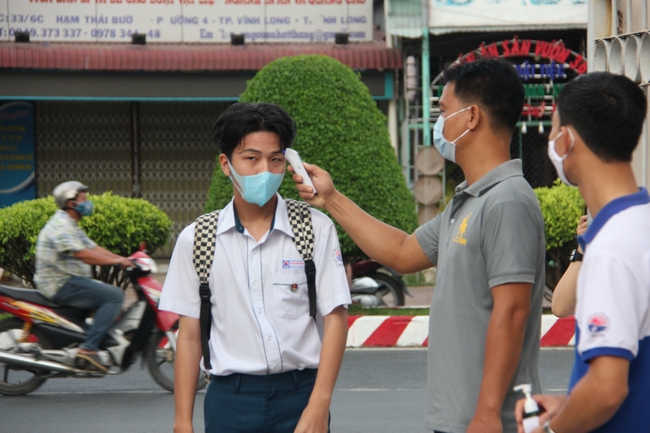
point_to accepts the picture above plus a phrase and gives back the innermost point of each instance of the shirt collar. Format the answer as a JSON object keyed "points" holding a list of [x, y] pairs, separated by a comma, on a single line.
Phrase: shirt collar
{"points": [[228, 218], [609, 210], [63, 214], [496, 175]]}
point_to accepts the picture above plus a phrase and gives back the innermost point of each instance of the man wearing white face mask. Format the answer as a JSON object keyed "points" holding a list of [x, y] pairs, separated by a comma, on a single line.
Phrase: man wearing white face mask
{"points": [[596, 128], [488, 244], [273, 366]]}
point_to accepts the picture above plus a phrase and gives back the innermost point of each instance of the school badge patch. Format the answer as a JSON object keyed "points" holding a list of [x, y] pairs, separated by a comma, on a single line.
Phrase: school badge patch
{"points": [[598, 324], [337, 257]]}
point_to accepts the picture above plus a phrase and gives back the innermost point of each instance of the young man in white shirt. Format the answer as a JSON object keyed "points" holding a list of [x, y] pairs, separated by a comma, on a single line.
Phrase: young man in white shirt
{"points": [[596, 128], [273, 366]]}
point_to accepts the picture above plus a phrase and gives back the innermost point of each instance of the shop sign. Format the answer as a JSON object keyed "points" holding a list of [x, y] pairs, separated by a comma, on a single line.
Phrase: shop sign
{"points": [[544, 68], [206, 21], [16, 153], [446, 16]]}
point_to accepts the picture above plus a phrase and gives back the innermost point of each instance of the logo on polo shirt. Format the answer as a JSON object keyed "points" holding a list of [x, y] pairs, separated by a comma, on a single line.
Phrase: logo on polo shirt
{"points": [[598, 324], [460, 236]]}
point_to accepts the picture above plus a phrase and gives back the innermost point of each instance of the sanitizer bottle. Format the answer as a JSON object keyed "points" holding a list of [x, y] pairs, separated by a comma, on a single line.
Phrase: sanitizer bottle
{"points": [[531, 410]]}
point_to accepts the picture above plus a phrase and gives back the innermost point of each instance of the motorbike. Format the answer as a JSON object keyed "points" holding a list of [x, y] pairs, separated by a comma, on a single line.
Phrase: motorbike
{"points": [[40, 339], [375, 285]]}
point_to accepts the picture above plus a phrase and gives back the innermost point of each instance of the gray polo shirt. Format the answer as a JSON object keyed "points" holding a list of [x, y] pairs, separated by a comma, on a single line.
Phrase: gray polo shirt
{"points": [[491, 233]]}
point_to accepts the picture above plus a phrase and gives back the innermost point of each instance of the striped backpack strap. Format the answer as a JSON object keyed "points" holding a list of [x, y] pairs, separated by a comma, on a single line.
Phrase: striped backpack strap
{"points": [[303, 238], [205, 237]]}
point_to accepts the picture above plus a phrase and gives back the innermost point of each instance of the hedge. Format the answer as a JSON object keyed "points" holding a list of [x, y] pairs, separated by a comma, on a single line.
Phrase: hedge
{"points": [[118, 224], [562, 206], [341, 129]]}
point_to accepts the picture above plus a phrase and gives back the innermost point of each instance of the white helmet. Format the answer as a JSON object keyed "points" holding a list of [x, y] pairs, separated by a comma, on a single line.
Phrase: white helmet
{"points": [[67, 191]]}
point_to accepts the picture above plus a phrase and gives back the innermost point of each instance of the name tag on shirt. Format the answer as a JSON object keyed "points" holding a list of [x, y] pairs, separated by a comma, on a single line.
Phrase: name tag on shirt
{"points": [[293, 264]]}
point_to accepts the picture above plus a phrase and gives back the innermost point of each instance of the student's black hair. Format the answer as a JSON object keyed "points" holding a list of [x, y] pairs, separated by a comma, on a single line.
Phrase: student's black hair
{"points": [[243, 118], [494, 84], [607, 110]]}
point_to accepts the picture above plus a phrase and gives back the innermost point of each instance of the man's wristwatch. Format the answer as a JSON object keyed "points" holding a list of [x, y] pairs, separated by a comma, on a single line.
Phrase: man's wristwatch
{"points": [[547, 427], [576, 256]]}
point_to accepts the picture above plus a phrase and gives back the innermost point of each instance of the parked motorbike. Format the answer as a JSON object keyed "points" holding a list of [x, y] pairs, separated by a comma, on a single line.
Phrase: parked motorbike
{"points": [[375, 285], [40, 340]]}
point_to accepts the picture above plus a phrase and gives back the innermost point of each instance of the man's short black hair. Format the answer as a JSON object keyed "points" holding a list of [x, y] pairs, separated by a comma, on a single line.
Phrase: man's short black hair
{"points": [[243, 118], [494, 84], [607, 110]]}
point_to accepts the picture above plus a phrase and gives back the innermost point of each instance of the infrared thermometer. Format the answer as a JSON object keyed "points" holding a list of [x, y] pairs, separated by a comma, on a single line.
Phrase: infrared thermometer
{"points": [[296, 163]]}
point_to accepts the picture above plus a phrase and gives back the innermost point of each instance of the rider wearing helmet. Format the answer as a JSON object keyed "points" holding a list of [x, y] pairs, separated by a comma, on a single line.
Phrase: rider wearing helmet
{"points": [[64, 255]]}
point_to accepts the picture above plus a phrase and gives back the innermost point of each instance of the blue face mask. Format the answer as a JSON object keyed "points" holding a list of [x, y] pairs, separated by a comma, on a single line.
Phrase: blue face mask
{"points": [[84, 208], [258, 188], [446, 148]]}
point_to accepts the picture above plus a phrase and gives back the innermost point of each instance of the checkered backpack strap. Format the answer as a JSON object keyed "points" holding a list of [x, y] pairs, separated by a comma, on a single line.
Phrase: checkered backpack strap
{"points": [[205, 237], [303, 238]]}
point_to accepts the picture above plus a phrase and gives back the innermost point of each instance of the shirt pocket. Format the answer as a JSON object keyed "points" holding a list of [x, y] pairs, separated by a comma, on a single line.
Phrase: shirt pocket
{"points": [[290, 295]]}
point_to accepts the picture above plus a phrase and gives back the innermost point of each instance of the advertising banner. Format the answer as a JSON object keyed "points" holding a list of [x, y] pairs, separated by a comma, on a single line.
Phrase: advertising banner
{"points": [[16, 153], [447, 16], [186, 20]]}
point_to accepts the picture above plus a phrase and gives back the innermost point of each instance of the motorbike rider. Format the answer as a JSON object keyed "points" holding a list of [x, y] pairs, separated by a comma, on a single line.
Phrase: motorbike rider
{"points": [[64, 255]]}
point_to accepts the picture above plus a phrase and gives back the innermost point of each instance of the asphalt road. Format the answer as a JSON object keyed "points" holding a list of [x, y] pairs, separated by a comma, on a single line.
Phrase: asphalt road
{"points": [[379, 390]]}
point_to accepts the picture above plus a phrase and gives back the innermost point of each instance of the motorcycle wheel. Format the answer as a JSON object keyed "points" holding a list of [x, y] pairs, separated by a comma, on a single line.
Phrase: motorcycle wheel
{"points": [[392, 295], [17, 380], [160, 359]]}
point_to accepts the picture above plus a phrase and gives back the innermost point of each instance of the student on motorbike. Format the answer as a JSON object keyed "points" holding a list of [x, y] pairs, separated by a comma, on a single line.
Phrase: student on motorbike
{"points": [[64, 255]]}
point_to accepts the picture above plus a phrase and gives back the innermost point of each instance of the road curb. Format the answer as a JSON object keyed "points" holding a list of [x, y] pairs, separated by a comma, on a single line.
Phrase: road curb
{"points": [[413, 331]]}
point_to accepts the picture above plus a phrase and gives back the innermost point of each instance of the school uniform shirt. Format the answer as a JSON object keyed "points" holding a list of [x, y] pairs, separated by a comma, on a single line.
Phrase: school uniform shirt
{"points": [[613, 303], [260, 306]]}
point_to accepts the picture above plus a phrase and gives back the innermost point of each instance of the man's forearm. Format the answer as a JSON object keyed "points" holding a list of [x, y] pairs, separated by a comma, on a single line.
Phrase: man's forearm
{"points": [[505, 337], [186, 376], [94, 258], [564, 295], [384, 243], [596, 398], [105, 252], [333, 347]]}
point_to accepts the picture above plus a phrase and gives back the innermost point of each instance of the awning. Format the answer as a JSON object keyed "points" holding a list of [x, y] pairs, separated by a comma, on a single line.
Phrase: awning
{"points": [[185, 57]]}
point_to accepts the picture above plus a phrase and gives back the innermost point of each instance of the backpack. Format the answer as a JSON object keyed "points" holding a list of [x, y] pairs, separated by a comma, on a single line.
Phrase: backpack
{"points": [[205, 237]]}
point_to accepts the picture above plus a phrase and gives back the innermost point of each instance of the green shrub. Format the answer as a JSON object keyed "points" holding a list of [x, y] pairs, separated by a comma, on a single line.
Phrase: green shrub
{"points": [[562, 206], [341, 129], [118, 224]]}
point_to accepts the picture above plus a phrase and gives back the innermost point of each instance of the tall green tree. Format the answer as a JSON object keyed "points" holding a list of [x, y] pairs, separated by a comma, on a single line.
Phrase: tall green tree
{"points": [[340, 129]]}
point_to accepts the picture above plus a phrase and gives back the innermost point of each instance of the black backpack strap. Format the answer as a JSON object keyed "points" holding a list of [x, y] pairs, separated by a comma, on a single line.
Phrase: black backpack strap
{"points": [[303, 238], [205, 237]]}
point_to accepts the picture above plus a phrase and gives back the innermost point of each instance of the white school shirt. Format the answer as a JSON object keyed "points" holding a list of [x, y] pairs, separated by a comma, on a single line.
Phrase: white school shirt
{"points": [[260, 307], [613, 303]]}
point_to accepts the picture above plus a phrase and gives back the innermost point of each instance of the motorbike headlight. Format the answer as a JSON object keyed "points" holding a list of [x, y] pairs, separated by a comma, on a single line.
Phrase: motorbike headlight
{"points": [[364, 283], [150, 263]]}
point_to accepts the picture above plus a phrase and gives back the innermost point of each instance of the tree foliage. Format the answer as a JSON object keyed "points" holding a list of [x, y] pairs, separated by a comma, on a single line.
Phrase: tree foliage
{"points": [[339, 128], [118, 224]]}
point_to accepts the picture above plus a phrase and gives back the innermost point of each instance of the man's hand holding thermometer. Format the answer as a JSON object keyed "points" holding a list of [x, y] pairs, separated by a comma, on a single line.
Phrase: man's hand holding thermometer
{"points": [[296, 163], [310, 177]]}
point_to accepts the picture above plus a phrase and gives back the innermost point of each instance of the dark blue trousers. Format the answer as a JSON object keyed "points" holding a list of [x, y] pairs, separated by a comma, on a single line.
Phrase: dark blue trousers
{"points": [[244, 403]]}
